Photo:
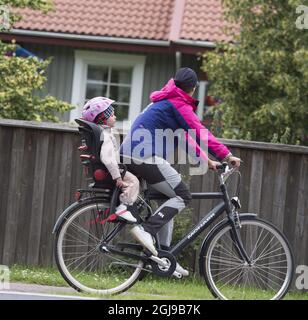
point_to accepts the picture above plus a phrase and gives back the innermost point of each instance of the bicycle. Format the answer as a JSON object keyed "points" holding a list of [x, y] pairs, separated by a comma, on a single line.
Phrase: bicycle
{"points": [[241, 257]]}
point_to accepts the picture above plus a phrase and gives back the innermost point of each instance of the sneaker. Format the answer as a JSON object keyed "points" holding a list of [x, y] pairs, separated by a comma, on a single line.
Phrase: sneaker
{"points": [[180, 271], [122, 212], [144, 238]]}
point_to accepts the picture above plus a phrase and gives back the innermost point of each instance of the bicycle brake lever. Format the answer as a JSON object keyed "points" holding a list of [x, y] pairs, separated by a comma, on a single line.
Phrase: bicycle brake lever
{"points": [[225, 175]]}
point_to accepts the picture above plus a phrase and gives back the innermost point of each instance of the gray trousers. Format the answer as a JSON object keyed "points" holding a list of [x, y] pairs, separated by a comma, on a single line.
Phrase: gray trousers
{"points": [[160, 175]]}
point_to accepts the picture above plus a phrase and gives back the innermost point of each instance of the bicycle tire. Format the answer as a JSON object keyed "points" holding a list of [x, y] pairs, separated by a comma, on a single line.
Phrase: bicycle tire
{"points": [[104, 281], [241, 282]]}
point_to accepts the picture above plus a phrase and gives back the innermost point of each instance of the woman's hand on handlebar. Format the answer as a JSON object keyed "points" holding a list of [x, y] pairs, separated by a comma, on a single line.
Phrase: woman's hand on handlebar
{"points": [[213, 164], [234, 161]]}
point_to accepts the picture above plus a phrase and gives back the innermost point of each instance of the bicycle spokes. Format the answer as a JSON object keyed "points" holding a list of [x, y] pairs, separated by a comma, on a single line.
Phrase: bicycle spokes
{"points": [[84, 263], [265, 277]]}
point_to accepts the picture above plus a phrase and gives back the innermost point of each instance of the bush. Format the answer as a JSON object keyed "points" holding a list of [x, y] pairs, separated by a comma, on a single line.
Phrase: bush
{"points": [[263, 78], [21, 77]]}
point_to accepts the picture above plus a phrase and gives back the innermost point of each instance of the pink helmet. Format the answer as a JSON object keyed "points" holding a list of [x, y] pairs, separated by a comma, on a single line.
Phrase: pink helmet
{"points": [[94, 107]]}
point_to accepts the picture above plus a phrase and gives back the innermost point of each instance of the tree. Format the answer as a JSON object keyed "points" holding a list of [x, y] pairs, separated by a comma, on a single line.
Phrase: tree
{"points": [[21, 77], [262, 77]]}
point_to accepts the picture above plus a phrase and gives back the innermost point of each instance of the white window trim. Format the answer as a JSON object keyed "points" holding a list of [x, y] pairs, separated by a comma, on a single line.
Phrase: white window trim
{"points": [[84, 58], [201, 97]]}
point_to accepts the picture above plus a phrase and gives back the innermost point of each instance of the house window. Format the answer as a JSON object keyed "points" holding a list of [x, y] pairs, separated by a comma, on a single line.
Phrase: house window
{"points": [[116, 76], [112, 82]]}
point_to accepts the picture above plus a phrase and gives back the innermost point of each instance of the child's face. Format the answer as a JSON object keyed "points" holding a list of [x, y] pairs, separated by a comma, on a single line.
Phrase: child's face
{"points": [[111, 120]]}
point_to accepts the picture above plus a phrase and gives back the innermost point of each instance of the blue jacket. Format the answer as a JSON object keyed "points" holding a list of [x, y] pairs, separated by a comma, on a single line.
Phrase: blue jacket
{"points": [[171, 109]]}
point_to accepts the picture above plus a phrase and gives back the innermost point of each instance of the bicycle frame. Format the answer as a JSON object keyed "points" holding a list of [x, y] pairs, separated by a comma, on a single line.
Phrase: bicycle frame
{"points": [[206, 221], [199, 227], [224, 206]]}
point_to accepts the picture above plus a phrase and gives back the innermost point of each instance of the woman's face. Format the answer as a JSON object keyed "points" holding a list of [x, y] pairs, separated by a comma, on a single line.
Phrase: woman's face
{"points": [[191, 93], [111, 120]]}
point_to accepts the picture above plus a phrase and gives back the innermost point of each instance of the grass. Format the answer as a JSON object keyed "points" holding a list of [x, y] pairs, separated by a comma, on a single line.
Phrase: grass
{"points": [[151, 288]]}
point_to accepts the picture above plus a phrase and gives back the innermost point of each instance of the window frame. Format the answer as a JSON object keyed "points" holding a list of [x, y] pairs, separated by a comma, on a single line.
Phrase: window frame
{"points": [[85, 58], [202, 93]]}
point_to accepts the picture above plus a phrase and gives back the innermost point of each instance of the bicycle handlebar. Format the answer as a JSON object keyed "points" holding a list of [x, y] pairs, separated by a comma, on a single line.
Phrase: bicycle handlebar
{"points": [[225, 171], [224, 165], [221, 166]]}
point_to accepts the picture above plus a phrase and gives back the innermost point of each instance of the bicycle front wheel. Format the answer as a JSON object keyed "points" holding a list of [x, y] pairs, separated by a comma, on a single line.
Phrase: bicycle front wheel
{"points": [[81, 261], [267, 277]]}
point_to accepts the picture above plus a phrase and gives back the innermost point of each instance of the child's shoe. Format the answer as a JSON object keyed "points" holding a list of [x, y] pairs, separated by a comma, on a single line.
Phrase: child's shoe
{"points": [[144, 238], [122, 212]]}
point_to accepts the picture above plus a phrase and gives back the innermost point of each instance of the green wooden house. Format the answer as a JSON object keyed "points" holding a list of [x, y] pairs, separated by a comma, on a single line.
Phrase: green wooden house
{"points": [[122, 49]]}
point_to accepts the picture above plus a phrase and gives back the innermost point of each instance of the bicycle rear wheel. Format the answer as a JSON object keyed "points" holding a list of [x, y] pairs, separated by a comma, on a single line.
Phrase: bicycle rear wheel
{"points": [[229, 277], [81, 261]]}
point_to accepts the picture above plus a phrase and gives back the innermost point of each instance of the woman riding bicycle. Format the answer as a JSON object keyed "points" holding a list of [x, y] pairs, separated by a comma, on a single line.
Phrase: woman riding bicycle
{"points": [[172, 108]]}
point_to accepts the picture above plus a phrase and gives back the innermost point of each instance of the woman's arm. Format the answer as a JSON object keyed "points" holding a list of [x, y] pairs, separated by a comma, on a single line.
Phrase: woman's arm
{"points": [[189, 121]]}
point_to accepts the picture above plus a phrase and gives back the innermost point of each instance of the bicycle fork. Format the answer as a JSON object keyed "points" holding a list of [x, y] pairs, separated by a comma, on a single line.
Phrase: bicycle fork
{"points": [[235, 223], [237, 240]]}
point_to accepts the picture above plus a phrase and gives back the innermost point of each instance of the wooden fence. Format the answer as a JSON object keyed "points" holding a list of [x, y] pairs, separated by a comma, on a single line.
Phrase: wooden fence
{"points": [[40, 170]]}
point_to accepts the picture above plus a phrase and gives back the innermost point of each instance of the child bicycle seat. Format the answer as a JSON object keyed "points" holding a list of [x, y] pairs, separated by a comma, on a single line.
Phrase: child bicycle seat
{"points": [[91, 142]]}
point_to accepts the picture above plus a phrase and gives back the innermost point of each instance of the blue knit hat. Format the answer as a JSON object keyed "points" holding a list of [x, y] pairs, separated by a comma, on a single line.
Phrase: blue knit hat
{"points": [[186, 78]]}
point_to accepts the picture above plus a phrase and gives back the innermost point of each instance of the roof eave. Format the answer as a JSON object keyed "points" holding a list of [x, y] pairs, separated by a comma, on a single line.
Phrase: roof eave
{"points": [[196, 43], [82, 37]]}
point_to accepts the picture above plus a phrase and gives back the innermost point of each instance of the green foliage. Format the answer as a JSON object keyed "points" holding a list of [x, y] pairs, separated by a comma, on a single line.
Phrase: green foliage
{"points": [[263, 78], [21, 77], [42, 5]]}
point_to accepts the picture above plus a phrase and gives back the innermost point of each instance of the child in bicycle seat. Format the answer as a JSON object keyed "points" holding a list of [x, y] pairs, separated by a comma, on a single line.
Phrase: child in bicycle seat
{"points": [[101, 111]]}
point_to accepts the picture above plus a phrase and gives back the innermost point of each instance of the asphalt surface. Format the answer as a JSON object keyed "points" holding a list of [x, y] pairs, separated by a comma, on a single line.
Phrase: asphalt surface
{"points": [[37, 296], [22, 291]]}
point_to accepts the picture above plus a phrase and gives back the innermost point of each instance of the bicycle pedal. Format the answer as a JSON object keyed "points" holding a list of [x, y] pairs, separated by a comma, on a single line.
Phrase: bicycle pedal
{"points": [[177, 275], [159, 261], [164, 264]]}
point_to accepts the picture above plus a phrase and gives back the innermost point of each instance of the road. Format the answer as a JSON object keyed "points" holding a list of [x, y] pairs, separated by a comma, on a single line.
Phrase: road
{"points": [[12, 295], [22, 291]]}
